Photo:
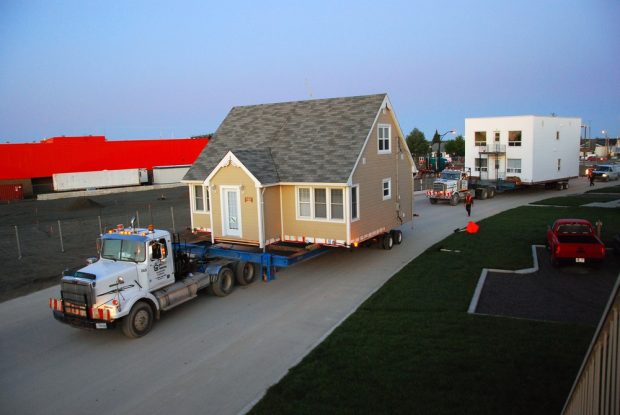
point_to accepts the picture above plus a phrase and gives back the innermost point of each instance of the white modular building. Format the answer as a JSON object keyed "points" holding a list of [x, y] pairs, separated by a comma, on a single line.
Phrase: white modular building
{"points": [[534, 149]]}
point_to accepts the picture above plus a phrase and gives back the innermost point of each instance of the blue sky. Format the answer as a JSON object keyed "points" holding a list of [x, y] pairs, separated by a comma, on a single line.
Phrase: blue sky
{"points": [[150, 69]]}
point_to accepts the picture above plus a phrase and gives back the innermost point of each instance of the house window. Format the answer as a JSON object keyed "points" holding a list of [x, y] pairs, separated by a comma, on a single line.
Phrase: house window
{"points": [[304, 203], [497, 136], [514, 166], [387, 189], [336, 204], [320, 203], [480, 138], [482, 164], [514, 138], [557, 135], [201, 199], [559, 164], [355, 207], [383, 135]]}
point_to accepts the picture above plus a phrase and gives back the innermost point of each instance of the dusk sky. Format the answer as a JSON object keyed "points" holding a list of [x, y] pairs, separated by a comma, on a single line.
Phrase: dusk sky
{"points": [[151, 69]]}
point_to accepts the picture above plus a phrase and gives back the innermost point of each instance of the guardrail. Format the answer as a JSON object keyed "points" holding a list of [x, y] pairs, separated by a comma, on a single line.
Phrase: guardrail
{"points": [[597, 387]]}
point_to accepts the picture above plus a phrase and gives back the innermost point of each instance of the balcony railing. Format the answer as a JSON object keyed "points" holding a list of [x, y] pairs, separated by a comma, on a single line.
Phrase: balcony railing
{"points": [[493, 148]]}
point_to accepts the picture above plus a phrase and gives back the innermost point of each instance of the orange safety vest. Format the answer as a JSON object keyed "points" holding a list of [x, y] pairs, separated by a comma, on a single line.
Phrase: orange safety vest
{"points": [[469, 200]]}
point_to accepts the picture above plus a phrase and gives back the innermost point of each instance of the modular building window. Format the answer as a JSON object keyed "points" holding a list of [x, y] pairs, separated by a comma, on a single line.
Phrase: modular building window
{"points": [[355, 208], [387, 189], [201, 199], [320, 204], [514, 166], [482, 164], [383, 136], [480, 138], [514, 138]]}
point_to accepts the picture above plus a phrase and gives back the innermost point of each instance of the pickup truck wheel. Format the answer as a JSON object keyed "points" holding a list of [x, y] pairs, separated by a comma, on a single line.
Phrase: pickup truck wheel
{"points": [[454, 200], [433, 201], [245, 272], [397, 236], [139, 321], [388, 241], [223, 284]]}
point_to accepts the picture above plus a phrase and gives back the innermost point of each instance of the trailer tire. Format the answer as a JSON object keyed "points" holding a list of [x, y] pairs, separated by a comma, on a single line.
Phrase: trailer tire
{"points": [[139, 321], [491, 192], [223, 284], [397, 236], [388, 241], [433, 201], [454, 200], [245, 272], [483, 193]]}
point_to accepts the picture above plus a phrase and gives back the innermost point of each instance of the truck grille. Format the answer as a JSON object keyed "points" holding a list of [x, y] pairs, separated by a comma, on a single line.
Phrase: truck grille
{"points": [[439, 187], [77, 292]]}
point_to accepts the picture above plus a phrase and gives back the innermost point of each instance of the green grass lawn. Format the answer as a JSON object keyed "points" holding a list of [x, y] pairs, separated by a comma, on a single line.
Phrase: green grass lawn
{"points": [[606, 194], [614, 189], [412, 348]]}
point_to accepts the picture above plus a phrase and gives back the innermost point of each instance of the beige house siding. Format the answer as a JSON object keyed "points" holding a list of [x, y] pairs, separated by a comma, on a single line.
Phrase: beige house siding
{"points": [[273, 222], [316, 230], [375, 214], [235, 176]]}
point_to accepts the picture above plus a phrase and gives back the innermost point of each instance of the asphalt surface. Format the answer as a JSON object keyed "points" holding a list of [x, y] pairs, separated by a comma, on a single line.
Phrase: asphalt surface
{"points": [[211, 355], [572, 293]]}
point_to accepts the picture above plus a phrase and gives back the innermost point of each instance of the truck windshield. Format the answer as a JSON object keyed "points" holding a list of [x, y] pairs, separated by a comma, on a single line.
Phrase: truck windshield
{"points": [[603, 168], [123, 250], [451, 175]]}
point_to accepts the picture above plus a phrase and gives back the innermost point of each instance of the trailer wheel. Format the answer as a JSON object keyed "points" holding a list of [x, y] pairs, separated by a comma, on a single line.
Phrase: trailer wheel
{"points": [[139, 321], [388, 241], [433, 201], [454, 200], [397, 236], [483, 193], [245, 272], [491, 192], [223, 284]]}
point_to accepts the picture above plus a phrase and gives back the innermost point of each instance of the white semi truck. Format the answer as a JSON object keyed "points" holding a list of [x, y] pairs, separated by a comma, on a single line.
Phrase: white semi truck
{"points": [[141, 272]]}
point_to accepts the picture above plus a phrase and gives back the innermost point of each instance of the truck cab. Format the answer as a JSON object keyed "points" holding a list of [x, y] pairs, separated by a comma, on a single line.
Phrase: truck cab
{"points": [[133, 263], [451, 185]]}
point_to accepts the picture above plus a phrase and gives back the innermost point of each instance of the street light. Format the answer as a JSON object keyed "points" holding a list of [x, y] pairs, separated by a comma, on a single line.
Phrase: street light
{"points": [[439, 147]]}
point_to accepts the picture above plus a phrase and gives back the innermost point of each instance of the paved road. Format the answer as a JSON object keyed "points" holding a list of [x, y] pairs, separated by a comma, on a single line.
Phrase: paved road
{"points": [[212, 355]]}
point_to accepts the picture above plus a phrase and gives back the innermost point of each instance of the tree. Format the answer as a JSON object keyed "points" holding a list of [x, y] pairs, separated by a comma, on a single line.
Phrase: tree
{"points": [[418, 146], [456, 147]]}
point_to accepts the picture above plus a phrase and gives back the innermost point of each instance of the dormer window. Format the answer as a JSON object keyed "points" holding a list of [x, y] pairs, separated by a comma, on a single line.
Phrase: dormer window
{"points": [[383, 136]]}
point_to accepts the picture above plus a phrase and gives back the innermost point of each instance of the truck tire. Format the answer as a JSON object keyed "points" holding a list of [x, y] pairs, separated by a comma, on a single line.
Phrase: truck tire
{"points": [[245, 272], [139, 321], [491, 192], [483, 193], [223, 284], [388, 241], [397, 236], [433, 201], [454, 200]]}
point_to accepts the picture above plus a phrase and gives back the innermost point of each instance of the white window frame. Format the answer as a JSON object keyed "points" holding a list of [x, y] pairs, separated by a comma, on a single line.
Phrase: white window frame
{"points": [[387, 181], [328, 196], [478, 143], [559, 164], [357, 202], [385, 140], [480, 164], [298, 202], [515, 169], [515, 143], [332, 203], [206, 206]]}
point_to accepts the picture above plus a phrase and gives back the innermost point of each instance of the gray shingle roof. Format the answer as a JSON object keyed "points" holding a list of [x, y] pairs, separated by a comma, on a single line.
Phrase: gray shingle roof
{"points": [[308, 141]]}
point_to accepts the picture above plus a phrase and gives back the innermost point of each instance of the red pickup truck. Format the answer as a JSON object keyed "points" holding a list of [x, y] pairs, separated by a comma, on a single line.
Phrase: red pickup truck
{"points": [[574, 240]]}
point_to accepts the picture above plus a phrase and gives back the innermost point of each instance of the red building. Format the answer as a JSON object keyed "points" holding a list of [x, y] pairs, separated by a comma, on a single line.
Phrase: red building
{"points": [[33, 164]]}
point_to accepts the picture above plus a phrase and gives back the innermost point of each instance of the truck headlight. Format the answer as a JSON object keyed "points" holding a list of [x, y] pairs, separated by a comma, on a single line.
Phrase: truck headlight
{"points": [[604, 174]]}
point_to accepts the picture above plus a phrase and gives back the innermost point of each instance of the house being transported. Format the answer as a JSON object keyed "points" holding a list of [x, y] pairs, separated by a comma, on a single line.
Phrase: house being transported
{"points": [[531, 149], [330, 171]]}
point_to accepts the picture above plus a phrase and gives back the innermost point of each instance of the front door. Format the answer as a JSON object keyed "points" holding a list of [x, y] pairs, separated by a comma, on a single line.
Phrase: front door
{"points": [[231, 211]]}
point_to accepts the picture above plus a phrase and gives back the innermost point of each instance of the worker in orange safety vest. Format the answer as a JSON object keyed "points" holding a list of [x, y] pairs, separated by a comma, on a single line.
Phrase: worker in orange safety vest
{"points": [[469, 200]]}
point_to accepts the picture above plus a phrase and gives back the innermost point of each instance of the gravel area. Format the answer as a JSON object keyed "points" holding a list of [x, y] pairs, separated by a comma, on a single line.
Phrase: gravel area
{"points": [[570, 293], [37, 223]]}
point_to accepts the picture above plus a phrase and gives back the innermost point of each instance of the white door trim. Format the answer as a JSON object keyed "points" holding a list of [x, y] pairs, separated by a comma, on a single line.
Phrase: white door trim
{"points": [[226, 231]]}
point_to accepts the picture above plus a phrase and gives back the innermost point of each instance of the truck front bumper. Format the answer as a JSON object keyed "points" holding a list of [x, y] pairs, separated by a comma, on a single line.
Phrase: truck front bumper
{"points": [[83, 323]]}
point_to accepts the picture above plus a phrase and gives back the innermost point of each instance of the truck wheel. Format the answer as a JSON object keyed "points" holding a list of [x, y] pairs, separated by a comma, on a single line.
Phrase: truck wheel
{"points": [[483, 193], [388, 241], [491, 192], [397, 236], [454, 200], [245, 272], [139, 321], [433, 201], [223, 284]]}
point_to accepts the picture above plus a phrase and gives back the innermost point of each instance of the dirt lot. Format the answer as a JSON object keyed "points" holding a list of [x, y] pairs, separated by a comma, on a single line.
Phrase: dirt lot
{"points": [[569, 293], [36, 222]]}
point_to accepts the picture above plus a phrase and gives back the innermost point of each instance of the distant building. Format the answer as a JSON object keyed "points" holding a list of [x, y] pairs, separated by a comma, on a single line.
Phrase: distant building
{"points": [[32, 165], [532, 148]]}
